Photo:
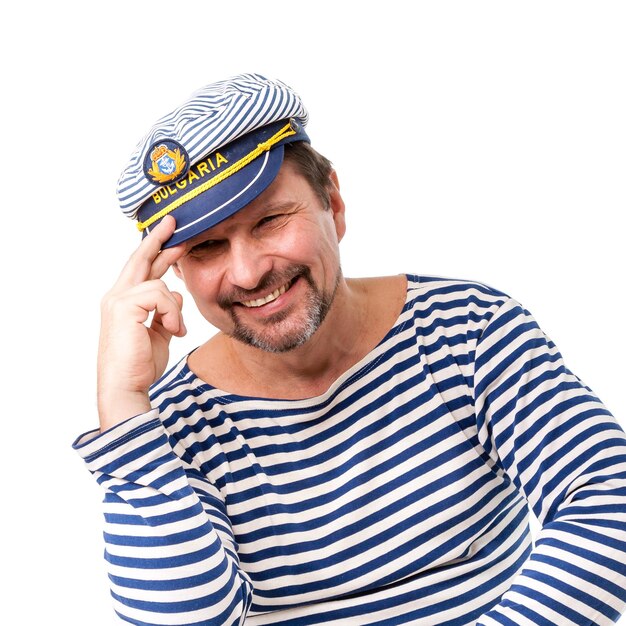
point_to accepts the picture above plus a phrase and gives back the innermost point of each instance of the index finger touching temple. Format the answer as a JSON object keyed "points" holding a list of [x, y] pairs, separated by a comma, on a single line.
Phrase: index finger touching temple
{"points": [[149, 261]]}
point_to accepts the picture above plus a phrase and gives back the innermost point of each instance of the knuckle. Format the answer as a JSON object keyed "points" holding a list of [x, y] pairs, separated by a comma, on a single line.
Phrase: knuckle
{"points": [[107, 300], [158, 285]]}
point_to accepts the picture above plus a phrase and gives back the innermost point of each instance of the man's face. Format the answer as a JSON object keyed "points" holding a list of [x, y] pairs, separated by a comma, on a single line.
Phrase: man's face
{"points": [[267, 275]]}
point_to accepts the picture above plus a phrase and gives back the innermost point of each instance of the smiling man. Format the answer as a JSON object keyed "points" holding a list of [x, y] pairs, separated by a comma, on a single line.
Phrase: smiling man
{"points": [[342, 451], [267, 262]]}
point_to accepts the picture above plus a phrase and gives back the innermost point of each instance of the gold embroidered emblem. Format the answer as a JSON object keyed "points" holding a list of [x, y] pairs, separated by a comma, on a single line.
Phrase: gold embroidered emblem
{"points": [[167, 164]]}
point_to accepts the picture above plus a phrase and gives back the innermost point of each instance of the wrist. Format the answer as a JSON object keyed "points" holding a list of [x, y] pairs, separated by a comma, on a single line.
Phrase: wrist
{"points": [[118, 407]]}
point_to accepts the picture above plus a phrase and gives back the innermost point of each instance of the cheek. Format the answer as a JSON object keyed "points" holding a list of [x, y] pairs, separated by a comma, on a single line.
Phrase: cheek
{"points": [[306, 243], [296, 248], [200, 280]]}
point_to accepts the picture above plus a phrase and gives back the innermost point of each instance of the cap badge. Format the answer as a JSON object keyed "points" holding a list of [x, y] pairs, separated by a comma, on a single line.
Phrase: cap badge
{"points": [[166, 161]]}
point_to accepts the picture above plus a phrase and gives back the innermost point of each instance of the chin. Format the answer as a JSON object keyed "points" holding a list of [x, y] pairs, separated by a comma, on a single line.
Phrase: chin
{"points": [[269, 342], [287, 330]]}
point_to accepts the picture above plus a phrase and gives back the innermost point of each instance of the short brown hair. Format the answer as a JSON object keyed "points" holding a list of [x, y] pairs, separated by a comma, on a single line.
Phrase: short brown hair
{"points": [[314, 167]]}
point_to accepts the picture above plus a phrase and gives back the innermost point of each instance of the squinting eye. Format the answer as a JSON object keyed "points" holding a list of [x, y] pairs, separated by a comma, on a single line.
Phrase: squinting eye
{"points": [[268, 219], [205, 247]]}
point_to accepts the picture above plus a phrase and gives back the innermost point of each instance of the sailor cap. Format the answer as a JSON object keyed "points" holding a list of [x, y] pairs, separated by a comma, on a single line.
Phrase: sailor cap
{"points": [[212, 155]]}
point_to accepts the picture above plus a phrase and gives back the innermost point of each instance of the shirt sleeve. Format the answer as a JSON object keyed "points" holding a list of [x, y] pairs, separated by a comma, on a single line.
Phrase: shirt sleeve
{"points": [[170, 549], [552, 437]]}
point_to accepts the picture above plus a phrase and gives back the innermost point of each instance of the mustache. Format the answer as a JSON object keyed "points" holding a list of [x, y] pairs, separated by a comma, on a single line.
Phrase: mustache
{"points": [[268, 283]]}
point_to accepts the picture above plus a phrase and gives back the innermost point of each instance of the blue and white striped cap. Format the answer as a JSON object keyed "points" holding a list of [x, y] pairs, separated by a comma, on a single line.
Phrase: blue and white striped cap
{"points": [[212, 155]]}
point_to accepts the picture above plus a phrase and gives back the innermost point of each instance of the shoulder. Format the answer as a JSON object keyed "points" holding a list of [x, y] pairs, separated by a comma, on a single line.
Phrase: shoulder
{"points": [[443, 306], [438, 289]]}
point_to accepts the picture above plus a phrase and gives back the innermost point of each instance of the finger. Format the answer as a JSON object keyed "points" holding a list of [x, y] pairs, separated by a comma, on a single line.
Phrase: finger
{"points": [[165, 259], [165, 308], [179, 299], [136, 304], [139, 265], [159, 323]]}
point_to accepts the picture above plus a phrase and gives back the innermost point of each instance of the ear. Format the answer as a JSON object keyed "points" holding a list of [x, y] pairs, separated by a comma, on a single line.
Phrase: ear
{"points": [[337, 206]]}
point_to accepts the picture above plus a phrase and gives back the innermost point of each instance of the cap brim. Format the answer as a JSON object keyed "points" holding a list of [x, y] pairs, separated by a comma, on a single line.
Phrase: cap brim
{"points": [[220, 202]]}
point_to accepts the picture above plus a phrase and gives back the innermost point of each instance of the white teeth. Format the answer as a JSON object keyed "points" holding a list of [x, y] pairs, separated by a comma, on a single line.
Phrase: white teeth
{"points": [[268, 298]]}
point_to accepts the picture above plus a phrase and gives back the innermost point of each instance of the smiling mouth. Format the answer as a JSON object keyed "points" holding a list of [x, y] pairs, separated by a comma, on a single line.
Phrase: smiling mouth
{"points": [[251, 304]]}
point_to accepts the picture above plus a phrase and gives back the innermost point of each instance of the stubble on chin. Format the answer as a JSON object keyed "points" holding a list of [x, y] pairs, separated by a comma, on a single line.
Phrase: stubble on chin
{"points": [[286, 330]]}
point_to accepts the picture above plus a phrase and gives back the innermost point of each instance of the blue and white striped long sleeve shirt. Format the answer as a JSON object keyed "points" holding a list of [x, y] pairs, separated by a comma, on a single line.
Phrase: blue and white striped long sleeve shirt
{"points": [[399, 496]]}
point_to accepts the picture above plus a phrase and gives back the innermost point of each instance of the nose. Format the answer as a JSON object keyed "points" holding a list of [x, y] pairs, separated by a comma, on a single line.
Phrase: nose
{"points": [[247, 263]]}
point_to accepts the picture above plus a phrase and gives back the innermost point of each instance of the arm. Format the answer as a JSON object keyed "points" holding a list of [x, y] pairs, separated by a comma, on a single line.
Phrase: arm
{"points": [[131, 354], [169, 545], [554, 439], [170, 549]]}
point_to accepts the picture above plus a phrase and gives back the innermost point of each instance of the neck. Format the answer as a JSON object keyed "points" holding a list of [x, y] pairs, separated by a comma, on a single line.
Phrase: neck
{"points": [[362, 312], [310, 365]]}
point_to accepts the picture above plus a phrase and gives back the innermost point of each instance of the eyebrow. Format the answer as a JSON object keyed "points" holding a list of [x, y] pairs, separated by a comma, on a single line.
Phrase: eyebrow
{"points": [[288, 205]]}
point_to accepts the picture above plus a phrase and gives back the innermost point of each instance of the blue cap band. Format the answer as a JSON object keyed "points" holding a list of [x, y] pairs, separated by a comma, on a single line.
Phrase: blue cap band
{"points": [[220, 184]]}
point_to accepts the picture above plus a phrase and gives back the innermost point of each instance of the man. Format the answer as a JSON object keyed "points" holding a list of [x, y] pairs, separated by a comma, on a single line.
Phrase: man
{"points": [[342, 451]]}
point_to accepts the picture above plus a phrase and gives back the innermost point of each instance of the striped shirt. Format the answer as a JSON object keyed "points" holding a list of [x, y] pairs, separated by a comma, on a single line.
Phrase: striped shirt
{"points": [[399, 496]]}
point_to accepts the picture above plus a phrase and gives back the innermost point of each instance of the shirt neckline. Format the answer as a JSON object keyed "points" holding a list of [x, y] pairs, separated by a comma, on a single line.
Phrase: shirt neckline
{"points": [[359, 368]]}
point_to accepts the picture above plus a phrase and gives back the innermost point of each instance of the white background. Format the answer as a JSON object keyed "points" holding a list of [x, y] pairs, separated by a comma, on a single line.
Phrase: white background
{"points": [[482, 140]]}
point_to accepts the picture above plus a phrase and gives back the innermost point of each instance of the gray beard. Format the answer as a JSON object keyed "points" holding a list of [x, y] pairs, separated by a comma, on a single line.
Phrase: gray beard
{"points": [[317, 306]]}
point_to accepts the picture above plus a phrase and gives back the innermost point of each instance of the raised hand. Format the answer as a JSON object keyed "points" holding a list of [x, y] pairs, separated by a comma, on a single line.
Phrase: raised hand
{"points": [[132, 355]]}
